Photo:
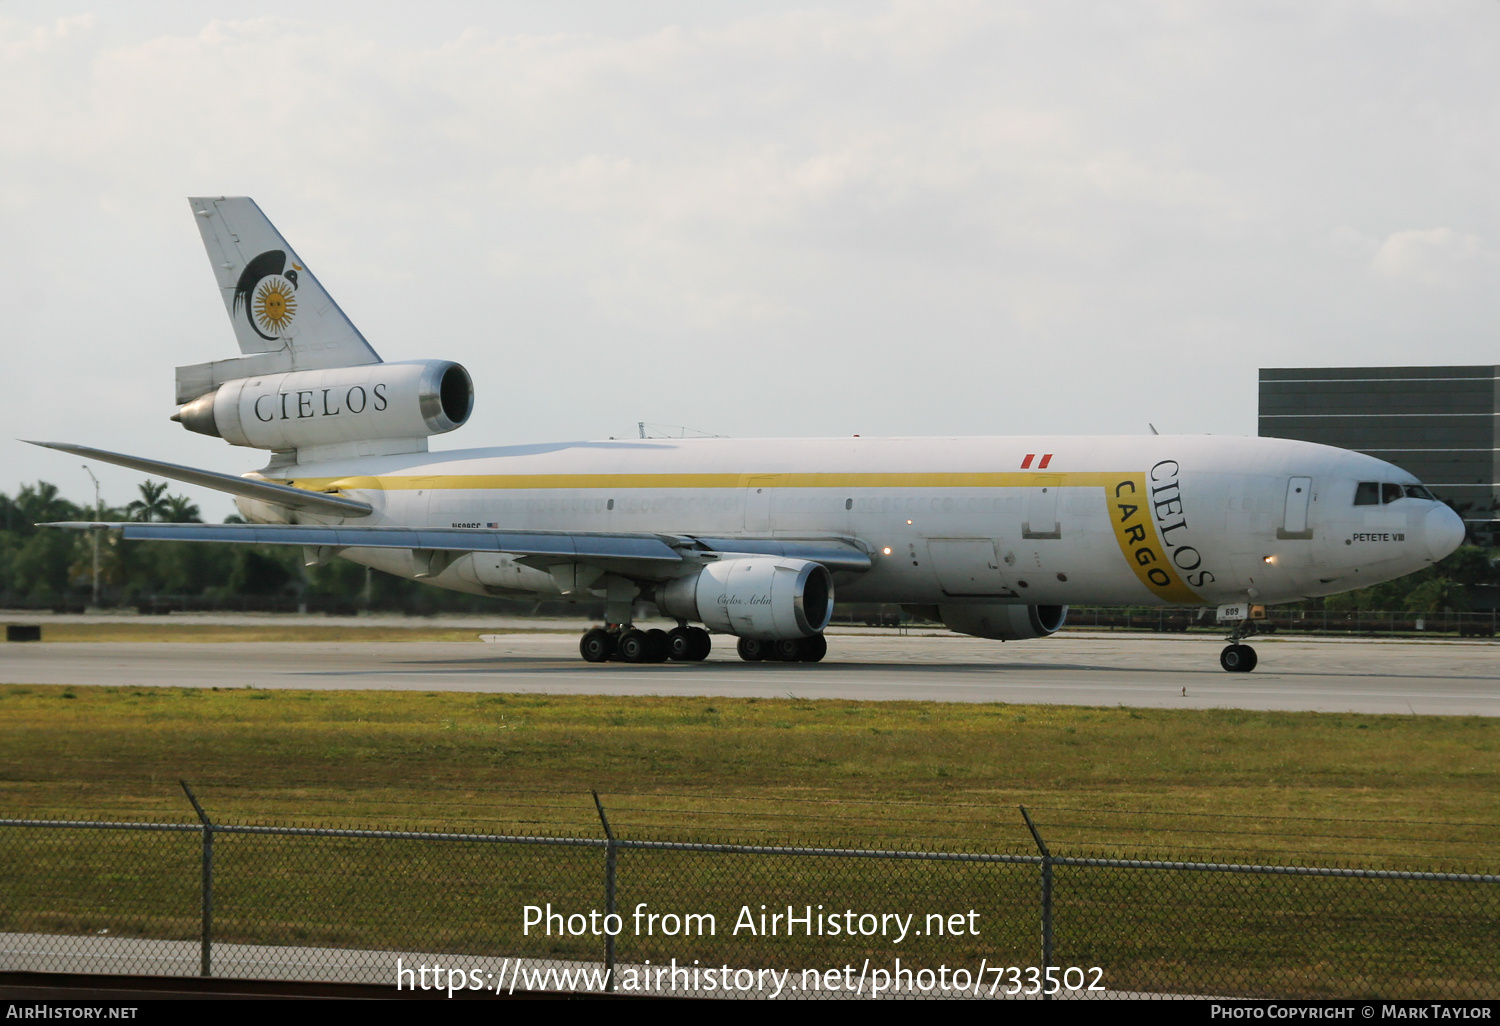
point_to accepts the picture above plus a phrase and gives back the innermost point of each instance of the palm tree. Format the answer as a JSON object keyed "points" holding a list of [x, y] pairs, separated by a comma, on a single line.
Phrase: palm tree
{"points": [[37, 504], [152, 505], [181, 510]]}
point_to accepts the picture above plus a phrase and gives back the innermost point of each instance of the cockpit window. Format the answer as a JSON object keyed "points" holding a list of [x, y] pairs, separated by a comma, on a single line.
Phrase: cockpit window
{"points": [[1374, 493]]}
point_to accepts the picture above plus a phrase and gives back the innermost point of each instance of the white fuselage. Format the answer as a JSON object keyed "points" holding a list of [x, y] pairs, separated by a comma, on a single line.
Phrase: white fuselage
{"points": [[1051, 520]]}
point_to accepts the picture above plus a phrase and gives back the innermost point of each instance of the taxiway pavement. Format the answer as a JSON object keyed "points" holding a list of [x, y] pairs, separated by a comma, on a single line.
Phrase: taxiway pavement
{"points": [[1326, 675]]}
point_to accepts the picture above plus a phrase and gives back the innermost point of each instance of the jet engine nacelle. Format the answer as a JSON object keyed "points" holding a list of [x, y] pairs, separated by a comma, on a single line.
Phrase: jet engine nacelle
{"points": [[299, 409], [1004, 623], [754, 597]]}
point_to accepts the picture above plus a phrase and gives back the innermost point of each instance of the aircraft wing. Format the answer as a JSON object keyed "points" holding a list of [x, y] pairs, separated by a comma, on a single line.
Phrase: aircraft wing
{"points": [[649, 554]]}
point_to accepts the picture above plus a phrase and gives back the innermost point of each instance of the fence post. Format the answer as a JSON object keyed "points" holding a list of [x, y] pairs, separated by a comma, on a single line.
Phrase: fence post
{"points": [[609, 894], [205, 958], [1046, 897]]}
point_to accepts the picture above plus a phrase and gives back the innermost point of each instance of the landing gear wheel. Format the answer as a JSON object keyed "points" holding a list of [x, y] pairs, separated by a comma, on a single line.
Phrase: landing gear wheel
{"points": [[814, 649], [688, 644], [634, 646], [657, 648], [596, 646], [1238, 658], [785, 650], [679, 644], [752, 650]]}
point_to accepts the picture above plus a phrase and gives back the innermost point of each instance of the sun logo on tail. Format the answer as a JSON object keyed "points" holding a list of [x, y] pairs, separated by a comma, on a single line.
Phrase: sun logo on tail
{"points": [[274, 304]]}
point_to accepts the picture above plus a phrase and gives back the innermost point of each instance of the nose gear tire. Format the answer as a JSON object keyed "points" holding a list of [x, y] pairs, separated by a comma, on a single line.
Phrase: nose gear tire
{"points": [[1238, 658]]}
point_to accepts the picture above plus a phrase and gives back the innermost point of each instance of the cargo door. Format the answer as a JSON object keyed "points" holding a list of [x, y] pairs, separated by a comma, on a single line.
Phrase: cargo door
{"points": [[1041, 509], [758, 502]]}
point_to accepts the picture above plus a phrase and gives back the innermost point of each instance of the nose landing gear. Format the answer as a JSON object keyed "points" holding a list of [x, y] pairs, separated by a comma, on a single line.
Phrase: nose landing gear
{"points": [[1237, 657]]}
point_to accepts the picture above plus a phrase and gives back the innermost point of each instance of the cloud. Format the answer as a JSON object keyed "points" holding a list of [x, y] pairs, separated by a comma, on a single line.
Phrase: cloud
{"points": [[1439, 257], [936, 217]]}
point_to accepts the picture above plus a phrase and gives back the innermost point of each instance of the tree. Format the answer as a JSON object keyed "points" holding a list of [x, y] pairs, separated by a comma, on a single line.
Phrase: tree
{"points": [[1438, 595], [181, 510], [39, 504], [1469, 565], [260, 573], [153, 503]]}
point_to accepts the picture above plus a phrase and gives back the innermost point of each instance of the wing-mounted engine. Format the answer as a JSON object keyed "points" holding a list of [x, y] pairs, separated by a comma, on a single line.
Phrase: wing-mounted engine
{"points": [[395, 405], [754, 597], [1004, 623]]}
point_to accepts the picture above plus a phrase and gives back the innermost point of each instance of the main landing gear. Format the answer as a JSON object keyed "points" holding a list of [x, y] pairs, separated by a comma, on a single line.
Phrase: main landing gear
{"points": [[627, 644], [784, 650], [1237, 657], [689, 645]]}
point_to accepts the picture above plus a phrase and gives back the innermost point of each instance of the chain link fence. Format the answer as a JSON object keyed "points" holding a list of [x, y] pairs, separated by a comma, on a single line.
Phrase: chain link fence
{"points": [[521, 913]]}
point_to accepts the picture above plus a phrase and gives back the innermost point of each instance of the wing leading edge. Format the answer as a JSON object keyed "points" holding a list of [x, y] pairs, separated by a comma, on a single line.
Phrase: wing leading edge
{"points": [[650, 553]]}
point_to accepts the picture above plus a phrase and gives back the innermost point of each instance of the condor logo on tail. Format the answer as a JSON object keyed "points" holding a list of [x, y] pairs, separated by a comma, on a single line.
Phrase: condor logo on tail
{"points": [[267, 293]]}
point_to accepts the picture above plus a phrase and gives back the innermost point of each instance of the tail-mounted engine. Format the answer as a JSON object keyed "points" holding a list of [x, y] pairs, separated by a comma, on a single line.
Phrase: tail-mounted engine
{"points": [[1004, 623], [754, 597], [300, 409]]}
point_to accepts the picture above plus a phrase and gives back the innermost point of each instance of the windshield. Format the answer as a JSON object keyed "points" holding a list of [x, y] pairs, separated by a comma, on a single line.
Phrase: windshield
{"points": [[1375, 493]]}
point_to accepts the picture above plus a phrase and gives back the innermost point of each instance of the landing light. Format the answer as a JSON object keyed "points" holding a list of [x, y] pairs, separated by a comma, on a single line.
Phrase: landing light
{"points": [[1268, 559], [886, 551]]}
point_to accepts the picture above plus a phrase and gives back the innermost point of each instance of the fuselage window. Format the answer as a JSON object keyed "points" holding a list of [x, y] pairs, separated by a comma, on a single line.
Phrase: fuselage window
{"points": [[1367, 493]]}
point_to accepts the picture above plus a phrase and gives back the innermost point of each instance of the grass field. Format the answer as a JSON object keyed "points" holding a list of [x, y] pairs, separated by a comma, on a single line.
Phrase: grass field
{"points": [[1391, 789], [1395, 792]]}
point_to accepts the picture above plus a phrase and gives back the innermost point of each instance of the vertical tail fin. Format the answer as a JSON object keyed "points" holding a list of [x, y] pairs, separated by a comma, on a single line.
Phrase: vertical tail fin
{"points": [[283, 318]]}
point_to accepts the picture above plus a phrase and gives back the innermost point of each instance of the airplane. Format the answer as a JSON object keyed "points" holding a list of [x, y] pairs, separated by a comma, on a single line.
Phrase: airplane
{"points": [[751, 538]]}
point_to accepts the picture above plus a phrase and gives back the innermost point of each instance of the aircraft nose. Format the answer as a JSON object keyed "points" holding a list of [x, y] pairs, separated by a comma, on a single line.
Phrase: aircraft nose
{"points": [[1444, 532]]}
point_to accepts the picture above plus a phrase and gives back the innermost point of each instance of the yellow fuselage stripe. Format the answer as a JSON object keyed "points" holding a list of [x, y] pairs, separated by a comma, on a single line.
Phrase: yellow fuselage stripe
{"points": [[485, 482]]}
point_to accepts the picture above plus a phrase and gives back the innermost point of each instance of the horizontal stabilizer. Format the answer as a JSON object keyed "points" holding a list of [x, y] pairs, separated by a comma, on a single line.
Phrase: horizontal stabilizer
{"points": [[282, 495]]}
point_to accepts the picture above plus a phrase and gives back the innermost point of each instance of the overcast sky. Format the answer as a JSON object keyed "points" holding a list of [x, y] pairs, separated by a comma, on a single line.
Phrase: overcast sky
{"points": [[752, 218]]}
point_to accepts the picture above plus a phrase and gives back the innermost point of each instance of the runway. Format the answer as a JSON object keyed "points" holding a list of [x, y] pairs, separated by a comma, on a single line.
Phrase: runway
{"points": [[1324, 675]]}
